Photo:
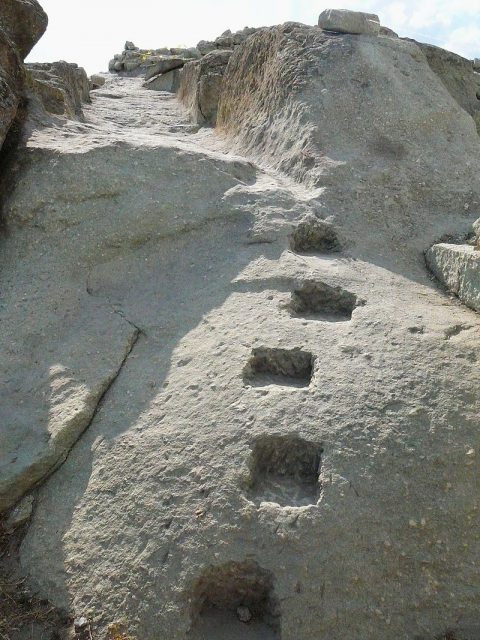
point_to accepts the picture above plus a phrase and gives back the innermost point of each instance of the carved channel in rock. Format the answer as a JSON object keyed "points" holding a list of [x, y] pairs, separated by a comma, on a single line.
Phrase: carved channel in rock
{"points": [[285, 470], [314, 236], [235, 601], [319, 301], [286, 367]]}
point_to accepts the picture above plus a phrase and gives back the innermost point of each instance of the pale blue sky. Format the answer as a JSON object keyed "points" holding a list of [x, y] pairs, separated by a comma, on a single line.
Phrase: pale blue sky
{"points": [[90, 32]]}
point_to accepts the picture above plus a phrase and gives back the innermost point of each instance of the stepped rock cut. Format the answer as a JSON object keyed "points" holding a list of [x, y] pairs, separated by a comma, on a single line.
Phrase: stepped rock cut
{"points": [[248, 451]]}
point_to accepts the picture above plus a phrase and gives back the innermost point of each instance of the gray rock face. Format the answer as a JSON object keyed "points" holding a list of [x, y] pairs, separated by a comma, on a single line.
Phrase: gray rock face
{"points": [[169, 81], [163, 65], [134, 62], [227, 40], [201, 85], [62, 87], [22, 23], [458, 76], [344, 21], [97, 81], [458, 268]]}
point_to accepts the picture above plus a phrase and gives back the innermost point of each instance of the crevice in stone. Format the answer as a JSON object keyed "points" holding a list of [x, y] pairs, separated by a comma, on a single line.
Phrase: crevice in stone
{"points": [[290, 367], [320, 301], [118, 312], [133, 341], [8, 166], [235, 601], [285, 470]]}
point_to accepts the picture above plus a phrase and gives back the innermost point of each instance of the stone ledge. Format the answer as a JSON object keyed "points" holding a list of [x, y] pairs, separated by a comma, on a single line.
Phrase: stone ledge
{"points": [[457, 266]]}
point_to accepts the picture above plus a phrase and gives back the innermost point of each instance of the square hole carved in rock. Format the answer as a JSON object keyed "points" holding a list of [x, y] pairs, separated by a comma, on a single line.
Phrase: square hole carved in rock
{"points": [[285, 470], [319, 301], [235, 601], [313, 236], [286, 367]]}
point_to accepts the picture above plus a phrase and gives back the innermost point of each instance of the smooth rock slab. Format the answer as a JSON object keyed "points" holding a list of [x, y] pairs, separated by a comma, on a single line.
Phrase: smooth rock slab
{"points": [[344, 21], [169, 81], [163, 65], [457, 266]]}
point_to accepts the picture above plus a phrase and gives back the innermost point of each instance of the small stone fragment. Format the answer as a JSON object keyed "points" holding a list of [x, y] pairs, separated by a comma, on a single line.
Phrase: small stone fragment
{"points": [[80, 623], [244, 614], [20, 514]]}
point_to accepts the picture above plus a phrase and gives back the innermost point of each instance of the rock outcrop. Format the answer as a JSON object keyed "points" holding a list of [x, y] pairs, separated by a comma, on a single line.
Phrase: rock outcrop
{"points": [[240, 402], [201, 85], [22, 23], [135, 62], [62, 87], [458, 76], [227, 40]]}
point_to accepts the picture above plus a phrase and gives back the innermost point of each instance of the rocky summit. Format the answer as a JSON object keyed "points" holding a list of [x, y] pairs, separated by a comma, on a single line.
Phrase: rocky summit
{"points": [[240, 339]]}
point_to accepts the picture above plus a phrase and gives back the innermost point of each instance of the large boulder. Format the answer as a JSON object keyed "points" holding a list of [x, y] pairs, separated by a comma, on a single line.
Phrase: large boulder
{"points": [[164, 64], [344, 21], [201, 85], [169, 81], [24, 21]]}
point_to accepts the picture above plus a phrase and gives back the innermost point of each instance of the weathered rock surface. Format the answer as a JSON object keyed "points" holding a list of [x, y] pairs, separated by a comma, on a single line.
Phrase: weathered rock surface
{"points": [[345, 21], [458, 268], [169, 81], [163, 65], [295, 430], [458, 76], [62, 87], [22, 22], [227, 40], [201, 86], [97, 80], [135, 62]]}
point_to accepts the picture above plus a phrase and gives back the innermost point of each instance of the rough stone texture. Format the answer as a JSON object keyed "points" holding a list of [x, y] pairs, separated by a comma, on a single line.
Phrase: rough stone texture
{"points": [[134, 62], [163, 65], [97, 81], [227, 40], [458, 268], [345, 21], [169, 81], [201, 85], [321, 471], [62, 87], [20, 514], [385, 31], [24, 22], [11, 77], [458, 76]]}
